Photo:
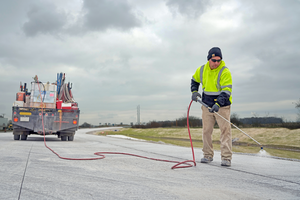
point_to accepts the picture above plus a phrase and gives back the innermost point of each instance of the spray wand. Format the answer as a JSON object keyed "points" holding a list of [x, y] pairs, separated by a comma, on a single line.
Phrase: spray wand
{"points": [[261, 147]]}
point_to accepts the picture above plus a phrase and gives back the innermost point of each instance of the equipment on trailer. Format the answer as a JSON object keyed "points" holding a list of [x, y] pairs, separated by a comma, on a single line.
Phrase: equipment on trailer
{"points": [[49, 108]]}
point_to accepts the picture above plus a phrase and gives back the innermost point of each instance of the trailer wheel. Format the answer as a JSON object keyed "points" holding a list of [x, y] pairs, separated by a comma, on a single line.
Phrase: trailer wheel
{"points": [[63, 137], [16, 137], [23, 137], [71, 138]]}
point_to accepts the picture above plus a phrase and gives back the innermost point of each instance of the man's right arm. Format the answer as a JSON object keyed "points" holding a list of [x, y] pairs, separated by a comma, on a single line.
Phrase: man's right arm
{"points": [[194, 86], [194, 90]]}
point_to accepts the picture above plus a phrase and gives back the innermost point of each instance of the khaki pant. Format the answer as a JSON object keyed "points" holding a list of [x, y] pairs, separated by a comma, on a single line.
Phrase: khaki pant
{"points": [[208, 120]]}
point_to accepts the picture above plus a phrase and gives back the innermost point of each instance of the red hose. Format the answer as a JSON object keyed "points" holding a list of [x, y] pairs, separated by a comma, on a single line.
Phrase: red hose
{"points": [[183, 164], [188, 126]]}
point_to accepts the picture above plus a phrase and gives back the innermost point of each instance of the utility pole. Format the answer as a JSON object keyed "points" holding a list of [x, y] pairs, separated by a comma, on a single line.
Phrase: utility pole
{"points": [[138, 115]]}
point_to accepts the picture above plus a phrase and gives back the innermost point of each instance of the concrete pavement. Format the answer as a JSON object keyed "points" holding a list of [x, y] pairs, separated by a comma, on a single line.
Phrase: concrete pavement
{"points": [[28, 170]]}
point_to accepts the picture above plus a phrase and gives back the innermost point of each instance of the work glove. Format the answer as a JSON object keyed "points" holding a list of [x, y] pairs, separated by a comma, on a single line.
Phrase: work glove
{"points": [[195, 95], [215, 108]]}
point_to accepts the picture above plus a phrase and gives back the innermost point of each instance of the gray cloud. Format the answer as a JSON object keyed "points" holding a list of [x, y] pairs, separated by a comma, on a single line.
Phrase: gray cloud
{"points": [[104, 14], [113, 70], [268, 38], [191, 8], [44, 18], [95, 15]]}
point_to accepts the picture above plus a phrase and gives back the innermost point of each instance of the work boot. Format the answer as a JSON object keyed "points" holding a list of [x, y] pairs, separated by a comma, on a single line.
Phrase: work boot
{"points": [[206, 159], [226, 163]]}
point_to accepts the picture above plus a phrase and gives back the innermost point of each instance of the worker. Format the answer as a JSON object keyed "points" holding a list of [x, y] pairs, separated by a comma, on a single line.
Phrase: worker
{"points": [[216, 83]]}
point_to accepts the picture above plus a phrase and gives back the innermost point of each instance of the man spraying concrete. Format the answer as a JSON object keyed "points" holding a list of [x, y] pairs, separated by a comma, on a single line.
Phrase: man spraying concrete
{"points": [[216, 83]]}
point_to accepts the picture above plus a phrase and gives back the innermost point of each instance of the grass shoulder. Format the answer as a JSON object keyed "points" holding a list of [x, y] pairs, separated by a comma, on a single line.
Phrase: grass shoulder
{"points": [[279, 142]]}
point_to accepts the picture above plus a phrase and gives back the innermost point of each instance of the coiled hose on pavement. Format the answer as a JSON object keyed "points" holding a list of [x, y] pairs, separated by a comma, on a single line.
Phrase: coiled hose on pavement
{"points": [[101, 155]]}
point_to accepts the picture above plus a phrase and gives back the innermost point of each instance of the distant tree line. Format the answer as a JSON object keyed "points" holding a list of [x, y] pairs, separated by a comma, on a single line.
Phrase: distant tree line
{"points": [[271, 122], [181, 122], [255, 121], [234, 118], [86, 125]]}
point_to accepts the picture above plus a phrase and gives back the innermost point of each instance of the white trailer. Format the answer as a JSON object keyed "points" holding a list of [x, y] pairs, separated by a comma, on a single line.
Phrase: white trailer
{"points": [[3, 123]]}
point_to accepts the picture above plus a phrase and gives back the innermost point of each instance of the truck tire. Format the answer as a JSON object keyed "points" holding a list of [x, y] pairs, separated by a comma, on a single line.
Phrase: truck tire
{"points": [[16, 137], [71, 138], [23, 137], [63, 138]]}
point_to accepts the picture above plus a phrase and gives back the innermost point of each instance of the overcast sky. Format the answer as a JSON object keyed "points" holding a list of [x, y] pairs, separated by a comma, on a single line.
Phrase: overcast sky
{"points": [[123, 53]]}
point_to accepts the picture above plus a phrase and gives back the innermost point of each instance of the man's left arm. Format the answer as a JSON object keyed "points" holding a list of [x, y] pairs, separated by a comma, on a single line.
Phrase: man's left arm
{"points": [[226, 89]]}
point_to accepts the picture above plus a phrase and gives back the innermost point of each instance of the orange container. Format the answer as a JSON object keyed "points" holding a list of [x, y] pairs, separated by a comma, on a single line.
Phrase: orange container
{"points": [[21, 96]]}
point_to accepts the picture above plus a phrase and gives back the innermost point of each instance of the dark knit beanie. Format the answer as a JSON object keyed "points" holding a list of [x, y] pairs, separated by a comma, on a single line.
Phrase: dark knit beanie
{"points": [[215, 51]]}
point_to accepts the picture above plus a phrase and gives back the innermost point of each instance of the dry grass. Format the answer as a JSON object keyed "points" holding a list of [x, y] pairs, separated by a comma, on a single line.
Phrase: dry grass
{"points": [[270, 136], [274, 137], [265, 136]]}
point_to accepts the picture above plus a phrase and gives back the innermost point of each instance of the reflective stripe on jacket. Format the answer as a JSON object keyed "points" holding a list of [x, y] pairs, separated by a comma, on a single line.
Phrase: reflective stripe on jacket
{"points": [[216, 84]]}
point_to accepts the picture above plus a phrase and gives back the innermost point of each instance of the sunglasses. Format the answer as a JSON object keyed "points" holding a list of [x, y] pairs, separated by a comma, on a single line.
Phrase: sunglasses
{"points": [[214, 60]]}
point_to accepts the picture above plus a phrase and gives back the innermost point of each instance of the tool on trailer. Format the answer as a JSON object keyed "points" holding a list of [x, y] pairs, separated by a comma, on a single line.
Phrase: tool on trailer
{"points": [[261, 147]]}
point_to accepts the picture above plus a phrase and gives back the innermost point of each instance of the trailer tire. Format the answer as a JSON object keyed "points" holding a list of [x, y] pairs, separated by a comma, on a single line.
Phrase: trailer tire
{"points": [[16, 137], [71, 138], [23, 137], [63, 138]]}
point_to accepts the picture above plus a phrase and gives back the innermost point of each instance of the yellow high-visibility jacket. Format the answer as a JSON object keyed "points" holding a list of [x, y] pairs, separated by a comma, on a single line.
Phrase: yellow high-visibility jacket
{"points": [[216, 84]]}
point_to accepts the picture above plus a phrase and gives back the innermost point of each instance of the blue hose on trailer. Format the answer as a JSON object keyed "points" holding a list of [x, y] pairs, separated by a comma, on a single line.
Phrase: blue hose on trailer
{"points": [[59, 78]]}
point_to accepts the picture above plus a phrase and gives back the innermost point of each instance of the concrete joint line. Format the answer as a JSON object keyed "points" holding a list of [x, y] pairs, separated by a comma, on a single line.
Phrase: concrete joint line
{"points": [[265, 176], [24, 173]]}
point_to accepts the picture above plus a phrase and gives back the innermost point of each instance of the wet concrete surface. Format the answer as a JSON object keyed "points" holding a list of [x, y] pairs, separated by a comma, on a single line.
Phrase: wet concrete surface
{"points": [[31, 171]]}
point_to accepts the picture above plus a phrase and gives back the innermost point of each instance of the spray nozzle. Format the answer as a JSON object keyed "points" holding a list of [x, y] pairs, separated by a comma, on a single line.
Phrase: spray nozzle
{"points": [[261, 147]]}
